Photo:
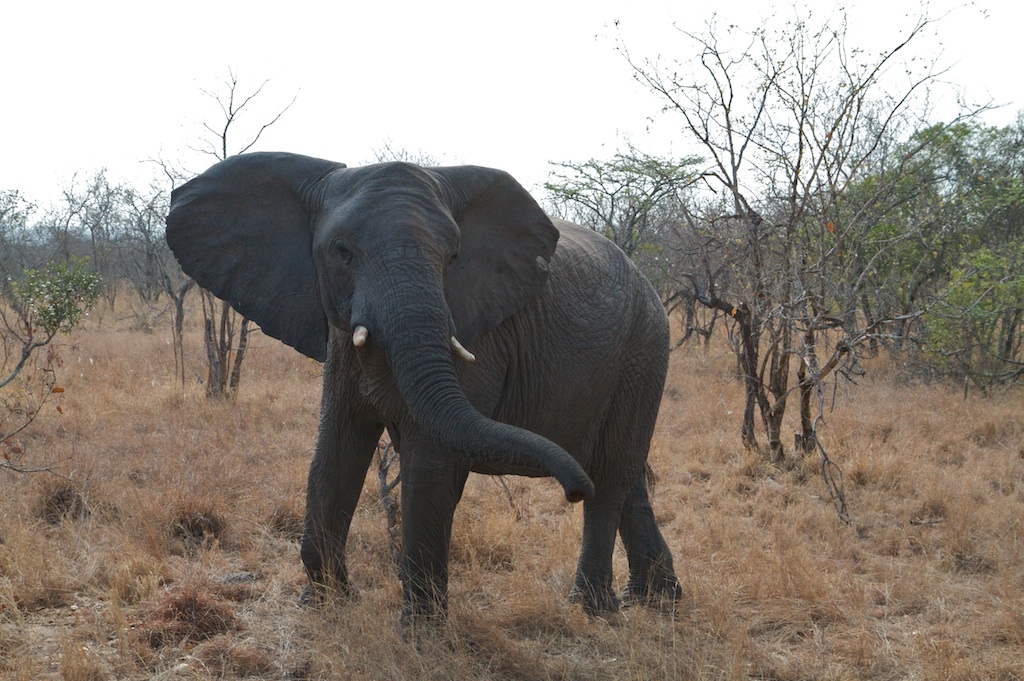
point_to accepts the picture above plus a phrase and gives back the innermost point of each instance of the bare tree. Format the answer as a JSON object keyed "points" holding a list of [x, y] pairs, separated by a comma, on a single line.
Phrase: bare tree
{"points": [[794, 121], [172, 280], [225, 332], [94, 207], [15, 211], [388, 152], [233, 104]]}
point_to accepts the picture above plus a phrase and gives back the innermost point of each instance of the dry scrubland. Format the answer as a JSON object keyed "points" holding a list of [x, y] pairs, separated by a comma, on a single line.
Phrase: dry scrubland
{"points": [[172, 550]]}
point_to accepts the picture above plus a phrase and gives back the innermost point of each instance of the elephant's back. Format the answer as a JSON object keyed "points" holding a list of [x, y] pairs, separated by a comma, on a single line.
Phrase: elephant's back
{"points": [[607, 283]]}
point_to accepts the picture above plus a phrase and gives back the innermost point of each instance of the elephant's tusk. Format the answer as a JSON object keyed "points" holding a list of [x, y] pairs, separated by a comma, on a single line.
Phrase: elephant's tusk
{"points": [[462, 351], [359, 336]]}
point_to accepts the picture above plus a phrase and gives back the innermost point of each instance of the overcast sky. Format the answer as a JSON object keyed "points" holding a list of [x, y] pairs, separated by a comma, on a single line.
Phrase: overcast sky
{"points": [[89, 85]]}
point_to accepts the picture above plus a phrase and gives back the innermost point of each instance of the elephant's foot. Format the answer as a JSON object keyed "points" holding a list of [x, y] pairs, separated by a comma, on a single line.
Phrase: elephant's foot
{"points": [[597, 602], [415, 619], [316, 593], [659, 592], [328, 577], [311, 597], [424, 619]]}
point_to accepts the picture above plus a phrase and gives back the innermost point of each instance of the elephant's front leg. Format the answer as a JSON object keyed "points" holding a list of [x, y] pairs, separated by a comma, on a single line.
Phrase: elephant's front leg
{"points": [[432, 484], [593, 585], [344, 450]]}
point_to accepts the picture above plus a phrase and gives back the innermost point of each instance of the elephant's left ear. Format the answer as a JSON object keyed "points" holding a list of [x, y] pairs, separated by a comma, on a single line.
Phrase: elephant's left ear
{"points": [[507, 243]]}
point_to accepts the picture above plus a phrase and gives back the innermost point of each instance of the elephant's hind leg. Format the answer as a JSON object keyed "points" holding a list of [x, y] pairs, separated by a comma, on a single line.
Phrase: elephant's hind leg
{"points": [[652, 579]]}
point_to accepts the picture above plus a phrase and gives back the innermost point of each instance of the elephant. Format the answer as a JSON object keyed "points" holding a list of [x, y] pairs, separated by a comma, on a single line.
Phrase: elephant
{"points": [[450, 310]]}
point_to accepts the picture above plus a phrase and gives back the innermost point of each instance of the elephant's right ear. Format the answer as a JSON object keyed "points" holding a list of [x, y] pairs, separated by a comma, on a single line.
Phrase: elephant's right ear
{"points": [[243, 230]]}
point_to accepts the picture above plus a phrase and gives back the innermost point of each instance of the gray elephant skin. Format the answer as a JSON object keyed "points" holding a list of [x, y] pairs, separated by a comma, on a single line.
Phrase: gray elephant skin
{"points": [[450, 310]]}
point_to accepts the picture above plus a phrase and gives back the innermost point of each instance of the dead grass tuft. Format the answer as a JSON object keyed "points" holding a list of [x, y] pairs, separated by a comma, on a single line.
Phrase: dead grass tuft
{"points": [[224, 655], [238, 587], [933, 510], [492, 653], [60, 500], [34, 575], [132, 580], [189, 614], [196, 522], [287, 521], [540, 619], [78, 662], [487, 548]]}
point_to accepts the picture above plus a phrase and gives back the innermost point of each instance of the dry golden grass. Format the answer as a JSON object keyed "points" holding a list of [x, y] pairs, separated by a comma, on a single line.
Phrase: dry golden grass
{"points": [[169, 549]]}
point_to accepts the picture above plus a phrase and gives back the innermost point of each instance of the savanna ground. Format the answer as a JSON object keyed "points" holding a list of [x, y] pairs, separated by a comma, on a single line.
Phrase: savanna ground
{"points": [[170, 549]]}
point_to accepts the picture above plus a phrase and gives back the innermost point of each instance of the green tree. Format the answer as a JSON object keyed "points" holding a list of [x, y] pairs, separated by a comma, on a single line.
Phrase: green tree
{"points": [[976, 328], [626, 198], [948, 238]]}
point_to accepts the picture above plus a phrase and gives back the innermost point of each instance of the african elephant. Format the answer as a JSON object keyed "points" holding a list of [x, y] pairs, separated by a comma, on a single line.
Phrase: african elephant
{"points": [[450, 310]]}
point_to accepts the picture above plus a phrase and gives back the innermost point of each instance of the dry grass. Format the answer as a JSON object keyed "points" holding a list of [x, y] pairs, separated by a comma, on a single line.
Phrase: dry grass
{"points": [[169, 548]]}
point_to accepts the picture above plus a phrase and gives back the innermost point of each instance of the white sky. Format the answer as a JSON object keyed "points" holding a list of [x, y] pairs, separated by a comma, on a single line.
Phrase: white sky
{"points": [[513, 85]]}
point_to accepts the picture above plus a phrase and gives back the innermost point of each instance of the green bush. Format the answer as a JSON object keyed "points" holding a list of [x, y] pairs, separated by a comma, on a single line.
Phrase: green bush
{"points": [[976, 328], [56, 298]]}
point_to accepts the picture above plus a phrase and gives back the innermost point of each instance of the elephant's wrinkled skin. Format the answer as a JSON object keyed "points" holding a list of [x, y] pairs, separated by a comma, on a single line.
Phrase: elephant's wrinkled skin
{"points": [[373, 271]]}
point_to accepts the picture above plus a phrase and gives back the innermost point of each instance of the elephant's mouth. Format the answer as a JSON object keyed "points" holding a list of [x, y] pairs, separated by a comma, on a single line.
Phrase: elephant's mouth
{"points": [[361, 334]]}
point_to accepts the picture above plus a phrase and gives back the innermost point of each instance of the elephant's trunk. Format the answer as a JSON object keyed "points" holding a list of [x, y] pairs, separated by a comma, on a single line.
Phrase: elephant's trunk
{"points": [[416, 339]]}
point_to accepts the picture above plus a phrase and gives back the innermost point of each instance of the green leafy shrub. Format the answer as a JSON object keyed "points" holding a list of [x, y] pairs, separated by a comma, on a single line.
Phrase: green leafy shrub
{"points": [[976, 329], [56, 298]]}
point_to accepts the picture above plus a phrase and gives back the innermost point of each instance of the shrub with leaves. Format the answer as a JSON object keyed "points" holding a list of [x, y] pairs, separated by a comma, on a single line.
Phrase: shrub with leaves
{"points": [[55, 299], [33, 311], [977, 329]]}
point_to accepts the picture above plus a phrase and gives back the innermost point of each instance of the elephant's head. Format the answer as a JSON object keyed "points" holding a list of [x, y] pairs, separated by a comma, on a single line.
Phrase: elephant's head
{"points": [[402, 257]]}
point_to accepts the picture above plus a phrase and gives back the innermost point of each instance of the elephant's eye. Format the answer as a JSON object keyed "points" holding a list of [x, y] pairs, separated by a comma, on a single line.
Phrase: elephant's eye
{"points": [[343, 252]]}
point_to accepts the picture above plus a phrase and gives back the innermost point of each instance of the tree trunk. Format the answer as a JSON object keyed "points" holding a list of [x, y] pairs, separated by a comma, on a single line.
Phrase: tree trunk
{"points": [[236, 366], [773, 424], [387, 456], [214, 385], [778, 386], [215, 328], [224, 360], [805, 440], [178, 324], [748, 366]]}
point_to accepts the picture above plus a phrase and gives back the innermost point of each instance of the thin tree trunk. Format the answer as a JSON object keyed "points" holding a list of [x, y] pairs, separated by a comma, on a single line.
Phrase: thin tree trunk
{"points": [[178, 324], [778, 386], [224, 343], [215, 372], [387, 456], [224, 359], [236, 366], [804, 440], [748, 365], [179, 332]]}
